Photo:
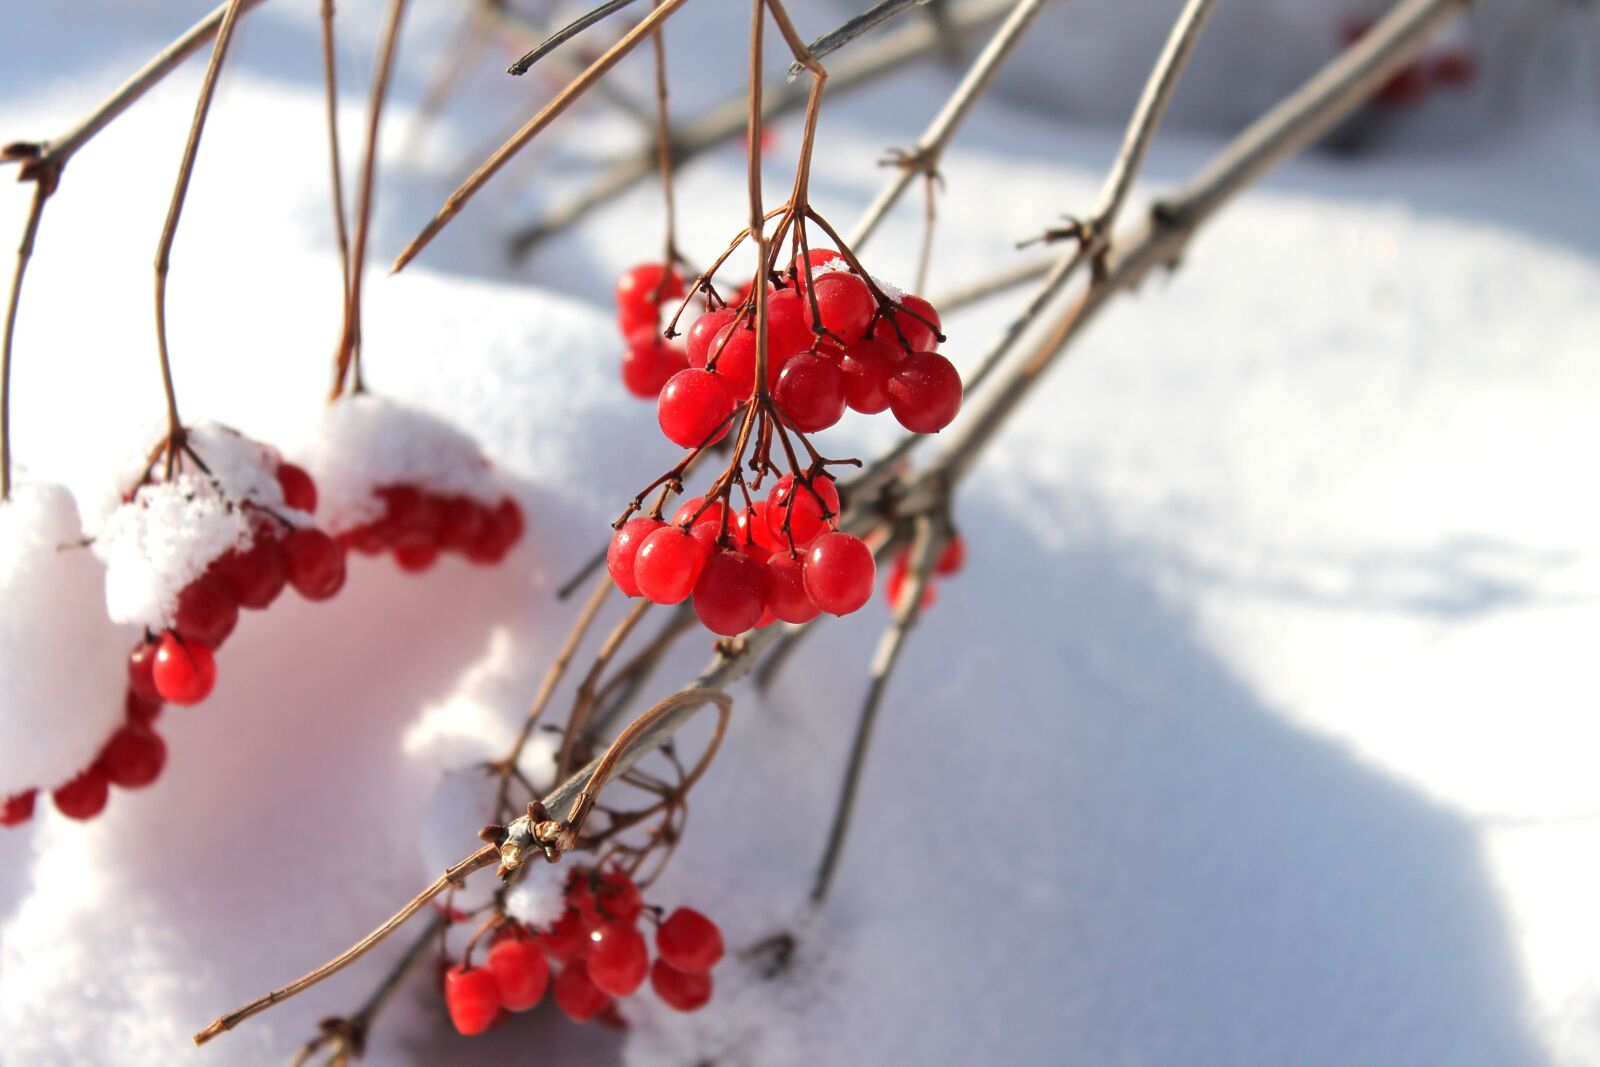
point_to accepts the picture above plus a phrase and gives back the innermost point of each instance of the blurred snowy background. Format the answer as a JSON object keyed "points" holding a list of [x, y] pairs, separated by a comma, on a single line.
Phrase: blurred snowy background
{"points": [[1260, 729]]}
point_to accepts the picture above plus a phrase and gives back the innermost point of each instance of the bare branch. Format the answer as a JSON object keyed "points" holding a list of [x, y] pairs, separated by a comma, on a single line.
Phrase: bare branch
{"points": [[41, 193], [874, 16], [565, 34]]}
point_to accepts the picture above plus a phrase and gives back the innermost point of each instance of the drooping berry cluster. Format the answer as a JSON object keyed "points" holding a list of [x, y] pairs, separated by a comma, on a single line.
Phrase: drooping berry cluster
{"points": [[418, 525], [951, 559], [598, 955], [648, 360], [778, 559]]}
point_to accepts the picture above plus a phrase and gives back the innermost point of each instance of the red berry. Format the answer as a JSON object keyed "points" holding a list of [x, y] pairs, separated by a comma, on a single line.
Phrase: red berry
{"points": [[811, 393], [141, 677], [624, 549], [472, 998], [818, 258], [678, 990], [299, 491], [925, 392], [568, 938], [694, 408], [617, 896], [460, 521], [184, 671], [952, 557], [732, 358], [846, 305], [839, 573], [786, 589], [18, 808], [85, 796], [257, 575], [138, 710], [712, 515], [207, 611], [920, 335], [643, 287], [402, 513], [502, 528], [618, 958], [731, 593], [668, 565], [649, 363], [314, 562], [788, 327], [133, 757], [867, 366], [703, 332], [414, 559], [799, 507], [520, 973], [753, 534], [897, 582], [689, 942], [577, 995]]}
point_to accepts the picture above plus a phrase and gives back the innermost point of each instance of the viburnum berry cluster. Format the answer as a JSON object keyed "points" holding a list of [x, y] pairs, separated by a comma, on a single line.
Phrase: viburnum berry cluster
{"points": [[596, 952], [417, 526]]}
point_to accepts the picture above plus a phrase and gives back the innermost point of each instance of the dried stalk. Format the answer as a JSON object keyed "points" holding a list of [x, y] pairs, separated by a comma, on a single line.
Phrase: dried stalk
{"points": [[868, 20], [41, 192], [565, 34], [330, 81]]}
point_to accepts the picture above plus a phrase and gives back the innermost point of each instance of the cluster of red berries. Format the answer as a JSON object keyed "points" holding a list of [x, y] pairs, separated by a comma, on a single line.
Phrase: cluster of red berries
{"points": [[779, 559], [847, 353], [601, 954], [179, 666], [418, 525], [951, 559]]}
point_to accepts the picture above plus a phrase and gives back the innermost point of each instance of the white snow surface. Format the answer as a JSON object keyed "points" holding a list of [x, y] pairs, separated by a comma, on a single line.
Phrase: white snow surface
{"points": [[1259, 728], [62, 660]]}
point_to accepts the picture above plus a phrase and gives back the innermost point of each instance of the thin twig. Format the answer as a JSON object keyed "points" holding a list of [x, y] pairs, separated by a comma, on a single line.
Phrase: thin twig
{"points": [[565, 34], [41, 192], [874, 16], [1000, 281], [330, 81], [564, 67]]}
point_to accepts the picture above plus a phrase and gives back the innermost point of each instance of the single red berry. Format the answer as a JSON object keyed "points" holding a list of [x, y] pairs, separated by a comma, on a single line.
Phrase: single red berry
{"points": [[580, 898], [731, 593], [617, 896], [314, 562], [369, 540], [618, 958], [567, 939], [703, 332], [520, 972], [867, 366], [817, 258], [645, 286], [746, 524], [207, 611], [839, 573], [811, 393], [846, 305], [897, 582], [502, 528], [299, 491], [786, 589], [472, 998], [952, 557], [918, 321], [925, 392], [139, 711], [678, 989], [256, 575], [141, 677], [668, 565], [695, 408], [711, 516], [133, 757], [649, 362], [460, 520], [689, 942], [732, 357], [184, 671], [801, 509], [85, 796], [414, 559], [788, 326], [624, 549], [18, 808], [577, 995]]}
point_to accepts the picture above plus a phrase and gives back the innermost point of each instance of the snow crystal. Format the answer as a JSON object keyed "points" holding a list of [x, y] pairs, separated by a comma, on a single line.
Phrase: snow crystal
{"points": [[63, 662], [539, 897], [365, 442]]}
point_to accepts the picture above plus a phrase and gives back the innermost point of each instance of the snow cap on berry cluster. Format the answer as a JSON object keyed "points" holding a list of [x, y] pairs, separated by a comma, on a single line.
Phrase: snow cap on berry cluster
{"points": [[61, 658], [838, 265], [170, 532], [365, 442], [539, 899]]}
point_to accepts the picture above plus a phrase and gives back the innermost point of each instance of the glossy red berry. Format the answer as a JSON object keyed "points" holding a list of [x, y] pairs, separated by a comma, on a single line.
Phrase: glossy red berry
{"points": [[649, 362], [577, 995], [299, 491], [689, 942], [925, 392], [184, 671], [786, 589], [520, 971], [567, 939], [818, 258], [141, 676], [788, 327], [85, 796], [617, 897], [710, 516], [695, 408], [207, 611], [472, 998], [460, 522], [731, 593], [732, 358], [753, 534], [811, 392], [314, 562], [133, 757], [138, 710], [668, 565], [18, 808], [846, 305], [867, 366], [920, 335], [618, 958], [624, 549], [641, 288], [679, 990], [839, 573], [257, 574], [703, 332], [801, 508]]}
